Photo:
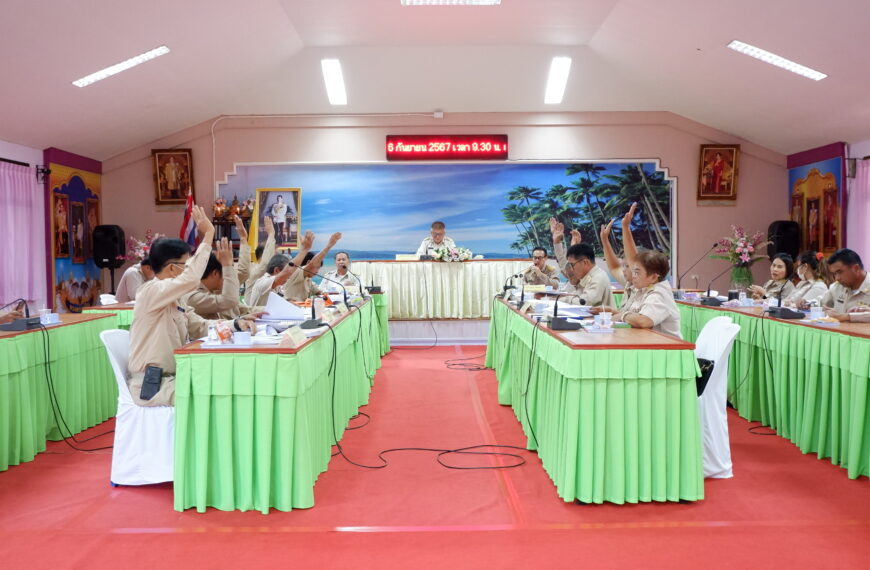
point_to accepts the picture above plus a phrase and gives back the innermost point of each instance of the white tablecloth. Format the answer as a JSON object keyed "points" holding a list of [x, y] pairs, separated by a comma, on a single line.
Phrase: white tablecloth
{"points": [[440, 290]]}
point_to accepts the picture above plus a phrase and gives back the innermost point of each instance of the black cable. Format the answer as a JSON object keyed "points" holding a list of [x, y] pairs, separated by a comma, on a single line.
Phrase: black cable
{"points": [[55, 405], [525, 394], [441, 452], [459, 364], [772, 371]]}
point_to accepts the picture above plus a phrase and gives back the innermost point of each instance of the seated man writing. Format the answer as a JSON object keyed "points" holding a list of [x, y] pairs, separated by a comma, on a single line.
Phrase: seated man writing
{"points": [[134, 277], [436, 240], [160, 324]]}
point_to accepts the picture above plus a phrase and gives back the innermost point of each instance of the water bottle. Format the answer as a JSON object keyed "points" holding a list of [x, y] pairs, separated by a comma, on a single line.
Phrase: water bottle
{"points": [[318, 307], [741, 296]]}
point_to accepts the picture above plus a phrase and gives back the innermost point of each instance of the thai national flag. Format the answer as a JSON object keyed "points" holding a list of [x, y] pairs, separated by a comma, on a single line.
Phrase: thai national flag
{"points": [[188, 227]]}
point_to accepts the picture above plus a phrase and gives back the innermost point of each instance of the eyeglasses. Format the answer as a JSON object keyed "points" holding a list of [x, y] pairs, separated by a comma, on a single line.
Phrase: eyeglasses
{"points": [[538, 257]]}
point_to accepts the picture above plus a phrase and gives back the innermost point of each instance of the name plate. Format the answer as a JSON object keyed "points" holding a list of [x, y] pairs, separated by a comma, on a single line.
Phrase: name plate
{"points": [[342, 308], [535, 288], [292, 338], [406, 257]]}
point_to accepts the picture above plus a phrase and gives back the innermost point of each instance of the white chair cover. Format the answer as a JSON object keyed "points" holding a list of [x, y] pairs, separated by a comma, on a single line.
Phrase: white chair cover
{"points": [[107, 299], [714, 343], [144, 437]]}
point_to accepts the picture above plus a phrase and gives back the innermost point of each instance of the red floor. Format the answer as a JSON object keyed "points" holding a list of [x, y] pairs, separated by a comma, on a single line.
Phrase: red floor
{"points": [[782, 508]]}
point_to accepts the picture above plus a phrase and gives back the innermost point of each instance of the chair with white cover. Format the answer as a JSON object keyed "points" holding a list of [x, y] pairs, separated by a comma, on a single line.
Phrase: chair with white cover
{"points": [[144, 436], [107, 299], [714, 343]]}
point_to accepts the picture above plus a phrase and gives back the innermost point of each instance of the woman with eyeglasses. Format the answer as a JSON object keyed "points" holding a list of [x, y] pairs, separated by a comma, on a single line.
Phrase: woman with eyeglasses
{"points": [[813, 274], [160, 324]]}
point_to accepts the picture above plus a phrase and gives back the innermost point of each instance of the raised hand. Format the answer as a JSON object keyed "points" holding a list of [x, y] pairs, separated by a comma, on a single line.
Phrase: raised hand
{"points": [[308, 240], [203, 224], [576, 237], [224, 252], [626, 219], [270, 227], [333, 239], [240, 228], [605, 231]]}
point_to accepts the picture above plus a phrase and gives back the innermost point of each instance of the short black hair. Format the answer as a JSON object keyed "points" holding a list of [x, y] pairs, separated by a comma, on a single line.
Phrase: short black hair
{"points": [[165, 249], [581, 250], [146, 262], [789, 263], [308, 257], [337, 253], [258, 251], [212, 265], [539, 248], [846, 257], [278, 261]]}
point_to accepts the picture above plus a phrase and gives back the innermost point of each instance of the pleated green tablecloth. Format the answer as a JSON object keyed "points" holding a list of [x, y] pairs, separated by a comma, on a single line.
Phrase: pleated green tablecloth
{"points": [[83, 381], [809, 384], [382, 313], [609, 425], [123, 319], [253, 430]]}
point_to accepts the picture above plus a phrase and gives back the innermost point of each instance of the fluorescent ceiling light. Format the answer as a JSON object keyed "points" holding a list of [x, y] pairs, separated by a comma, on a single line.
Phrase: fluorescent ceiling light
{"points": [[451, 2], [119, 67], [773, 59], [557, 80], [334, 81]]}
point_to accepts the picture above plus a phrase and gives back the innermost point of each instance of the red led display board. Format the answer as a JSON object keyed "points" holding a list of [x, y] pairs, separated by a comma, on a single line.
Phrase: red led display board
{"points": [[447, 147]]}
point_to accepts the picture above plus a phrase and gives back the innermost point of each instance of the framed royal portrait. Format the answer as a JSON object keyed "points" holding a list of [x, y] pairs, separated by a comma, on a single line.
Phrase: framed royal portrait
{"points": [[717, 177], [284, 207], [77, 231], [173, 175], [61, 223]]}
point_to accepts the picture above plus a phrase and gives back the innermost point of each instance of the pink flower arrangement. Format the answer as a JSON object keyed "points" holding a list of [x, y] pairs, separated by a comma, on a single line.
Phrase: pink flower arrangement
{"points": [[740, 249], [137, 249]]}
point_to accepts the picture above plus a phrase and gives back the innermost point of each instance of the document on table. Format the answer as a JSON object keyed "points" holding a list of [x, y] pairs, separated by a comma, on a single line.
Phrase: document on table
{"points": [[280, 309]]}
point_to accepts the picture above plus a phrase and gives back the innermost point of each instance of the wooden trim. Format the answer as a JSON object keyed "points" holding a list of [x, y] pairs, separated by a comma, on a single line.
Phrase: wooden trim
{"points": [[522, 259], [67, 319], [756, 312], [672, 344]]}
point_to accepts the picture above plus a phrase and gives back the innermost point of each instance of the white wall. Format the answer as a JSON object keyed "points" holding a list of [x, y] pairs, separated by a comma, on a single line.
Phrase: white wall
{"points": [[33, 156]]}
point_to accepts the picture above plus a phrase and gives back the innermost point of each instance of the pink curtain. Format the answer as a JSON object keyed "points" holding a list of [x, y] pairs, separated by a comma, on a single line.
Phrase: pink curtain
{"points": [[858, 212], [22, 253]]}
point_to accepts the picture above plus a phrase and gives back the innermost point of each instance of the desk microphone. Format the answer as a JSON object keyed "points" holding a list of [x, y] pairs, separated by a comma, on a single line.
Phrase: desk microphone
{"points": [[713, 301], [680, 278], [314, 322], [511, 278], [558, 323], [21, 303], [780, 312]]}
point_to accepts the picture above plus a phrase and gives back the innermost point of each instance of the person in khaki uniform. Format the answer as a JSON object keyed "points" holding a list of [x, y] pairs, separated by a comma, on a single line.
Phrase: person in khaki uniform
{"points": [[134, 277], [160, 324], [849, 298], [300, 286], [652, 305], [217, 296], [265, 253], [593, 284], [813, 285], [435, 240], [779, 285], [279, 271], [540, 272], [341, 273]]}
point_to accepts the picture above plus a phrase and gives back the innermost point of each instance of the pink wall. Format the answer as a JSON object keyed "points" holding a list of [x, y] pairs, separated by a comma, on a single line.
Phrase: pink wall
{"points": [[128, 186]]}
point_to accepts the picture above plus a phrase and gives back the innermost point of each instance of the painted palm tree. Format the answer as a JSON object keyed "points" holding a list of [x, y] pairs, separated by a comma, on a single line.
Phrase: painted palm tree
{"points": [[651, 192], [525, 194], [519, 216]]}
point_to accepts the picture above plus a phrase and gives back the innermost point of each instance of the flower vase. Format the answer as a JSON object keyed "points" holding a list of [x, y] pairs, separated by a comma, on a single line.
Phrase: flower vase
{"points": [[741, 277]]}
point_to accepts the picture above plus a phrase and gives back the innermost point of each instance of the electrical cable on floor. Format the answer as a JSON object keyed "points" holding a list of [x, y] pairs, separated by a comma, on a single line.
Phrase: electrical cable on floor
{"points": [[469, 450], [459, 364], [770, 365], [59, 420]]}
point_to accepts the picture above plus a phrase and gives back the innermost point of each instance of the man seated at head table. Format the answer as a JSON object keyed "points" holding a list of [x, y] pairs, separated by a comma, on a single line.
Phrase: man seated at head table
{"points": [[435, 240], [848, 299], [160, 324], [341, 273], [652, 305], [300, 286], [133, 278], [217, 296], [541, 272], [590, 283]]}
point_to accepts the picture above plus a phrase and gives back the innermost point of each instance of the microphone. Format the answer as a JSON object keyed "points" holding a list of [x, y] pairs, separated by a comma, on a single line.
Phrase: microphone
{"points": [[22, 304], [23, 324], [314, 322], [780, 312], [713, 301], [322, 276], [680, 278], [511, 278], [558, 323]]}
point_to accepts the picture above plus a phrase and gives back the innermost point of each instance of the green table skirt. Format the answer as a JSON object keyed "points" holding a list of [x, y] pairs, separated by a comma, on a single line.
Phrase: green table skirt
{"points": [[253, 431], [123, 319], [810, 385], [609, 425], [83, 381], [382, 312]]}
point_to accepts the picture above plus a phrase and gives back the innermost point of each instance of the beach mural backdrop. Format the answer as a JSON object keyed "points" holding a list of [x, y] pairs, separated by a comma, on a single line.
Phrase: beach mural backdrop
{"points": [[495, 210]]}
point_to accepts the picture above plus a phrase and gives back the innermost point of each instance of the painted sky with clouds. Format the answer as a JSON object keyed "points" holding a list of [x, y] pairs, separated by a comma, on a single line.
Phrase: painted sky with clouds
{"points": [[389, 207]]}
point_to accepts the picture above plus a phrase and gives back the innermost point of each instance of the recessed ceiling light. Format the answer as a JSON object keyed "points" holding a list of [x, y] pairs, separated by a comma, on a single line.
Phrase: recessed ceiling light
{"points": [[119, 67], [556, 81], [451, 2], [334, 81], [773, 59]]}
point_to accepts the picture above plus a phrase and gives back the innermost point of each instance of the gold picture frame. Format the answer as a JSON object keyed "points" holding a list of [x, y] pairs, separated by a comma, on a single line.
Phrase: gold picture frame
{"points": [[717, 172], [173, 175]]}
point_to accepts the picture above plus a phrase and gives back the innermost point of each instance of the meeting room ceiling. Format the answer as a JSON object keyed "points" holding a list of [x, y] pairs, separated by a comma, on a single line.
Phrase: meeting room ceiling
{"points": [[233, 57]]}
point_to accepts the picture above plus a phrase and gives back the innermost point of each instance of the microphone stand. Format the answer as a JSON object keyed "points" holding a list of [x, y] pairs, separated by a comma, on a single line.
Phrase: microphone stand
{"points": [[680, 278], [558, 323], [314, 322], [780, 312], [23, 324], [713, 301]]}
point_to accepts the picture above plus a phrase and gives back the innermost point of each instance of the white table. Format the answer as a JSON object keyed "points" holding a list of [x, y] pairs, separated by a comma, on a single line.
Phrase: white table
{"points": [[440, 290]]}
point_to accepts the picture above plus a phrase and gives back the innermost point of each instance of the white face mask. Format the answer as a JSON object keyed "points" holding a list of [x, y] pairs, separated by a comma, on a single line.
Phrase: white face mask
{"points": [[800, 274]]}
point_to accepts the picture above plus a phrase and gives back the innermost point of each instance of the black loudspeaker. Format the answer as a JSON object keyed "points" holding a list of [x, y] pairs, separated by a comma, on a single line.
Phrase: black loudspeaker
{"points": [[109, 245], [785, 237]]}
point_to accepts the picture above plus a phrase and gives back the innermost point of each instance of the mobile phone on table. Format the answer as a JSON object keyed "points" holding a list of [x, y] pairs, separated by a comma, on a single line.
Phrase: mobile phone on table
{"points": [[151, 382]]}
